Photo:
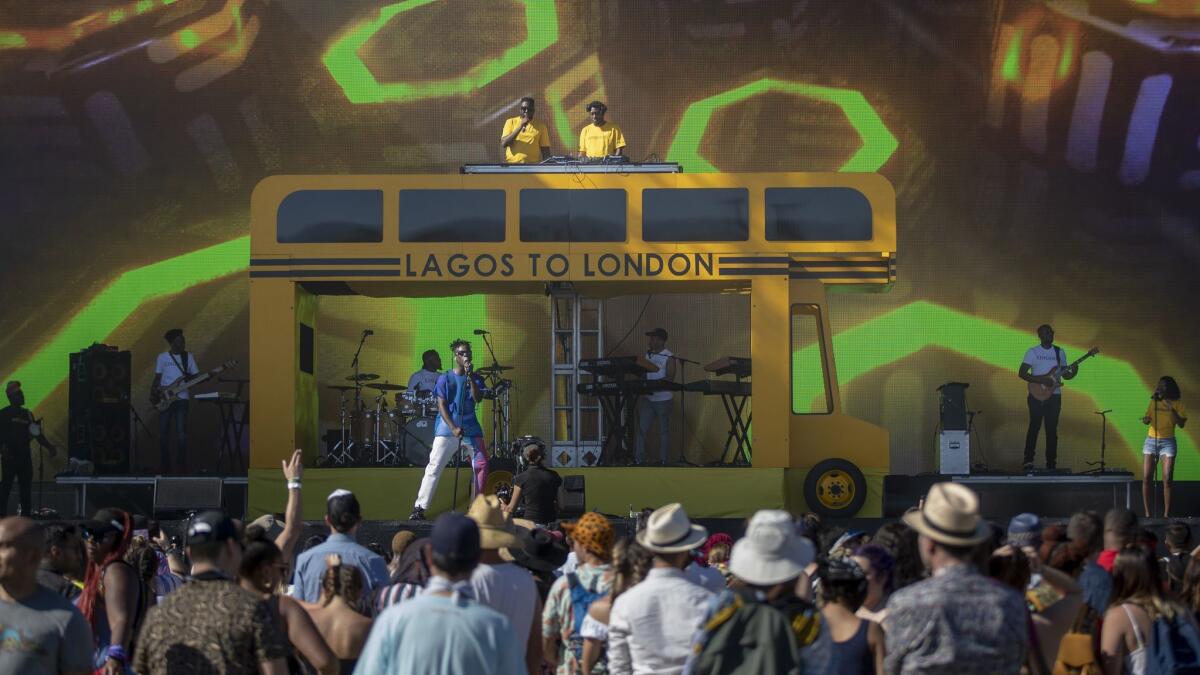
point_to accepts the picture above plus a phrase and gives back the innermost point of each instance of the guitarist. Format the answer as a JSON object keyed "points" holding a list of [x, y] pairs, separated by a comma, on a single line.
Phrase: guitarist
{"points": [[16, 461], [173, 365], [1039, 361]]}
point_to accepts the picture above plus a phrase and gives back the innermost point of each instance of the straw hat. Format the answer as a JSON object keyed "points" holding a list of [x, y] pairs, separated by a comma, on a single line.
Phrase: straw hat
{"points": [[495, 531], [668, 530], [950, 516]]}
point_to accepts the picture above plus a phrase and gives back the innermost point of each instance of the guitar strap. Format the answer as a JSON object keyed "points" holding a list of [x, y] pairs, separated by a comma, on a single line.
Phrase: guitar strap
{"points": [[182, 367], [1059, 356]]}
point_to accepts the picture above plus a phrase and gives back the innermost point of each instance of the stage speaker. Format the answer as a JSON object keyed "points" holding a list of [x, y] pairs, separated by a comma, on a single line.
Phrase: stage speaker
{"points": [[180, 495], [954, 453], [98, 408], [952, 406], [571, 497]]}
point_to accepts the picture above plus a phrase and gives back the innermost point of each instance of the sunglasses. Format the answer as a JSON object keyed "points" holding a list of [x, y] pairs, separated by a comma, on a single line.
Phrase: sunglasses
{"points": [[526, 107], [463, 353]]}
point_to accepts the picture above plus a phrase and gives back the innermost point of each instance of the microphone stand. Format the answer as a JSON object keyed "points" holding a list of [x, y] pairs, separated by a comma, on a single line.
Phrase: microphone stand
{"points": [[683, 458], [1102, 467], [357, 387], [492, 382]]}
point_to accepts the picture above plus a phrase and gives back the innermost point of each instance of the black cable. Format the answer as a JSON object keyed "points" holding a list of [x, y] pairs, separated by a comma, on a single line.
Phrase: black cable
{"points": [[631, 328]]}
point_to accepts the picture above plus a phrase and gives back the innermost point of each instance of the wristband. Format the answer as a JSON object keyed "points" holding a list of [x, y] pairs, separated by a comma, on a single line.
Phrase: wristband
{"points": [[293, 484], [117, 653]]}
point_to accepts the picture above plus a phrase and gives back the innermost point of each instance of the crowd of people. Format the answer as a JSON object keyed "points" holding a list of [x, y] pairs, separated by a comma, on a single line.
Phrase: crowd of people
{"points": [[940, 591]]}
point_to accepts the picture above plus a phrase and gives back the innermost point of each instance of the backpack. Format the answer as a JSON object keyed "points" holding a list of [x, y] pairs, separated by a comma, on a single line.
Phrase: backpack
{"points": [[1175, 646], [1077, 651], [581, 599]]}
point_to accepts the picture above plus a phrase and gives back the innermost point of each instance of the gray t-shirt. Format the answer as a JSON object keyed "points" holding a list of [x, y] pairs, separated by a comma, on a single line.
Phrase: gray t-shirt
{"points": [[43, 633]]}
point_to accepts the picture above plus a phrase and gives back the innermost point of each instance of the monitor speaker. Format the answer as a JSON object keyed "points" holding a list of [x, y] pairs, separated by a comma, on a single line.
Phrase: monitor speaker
{"points": [[181, 495], [571, 497]]}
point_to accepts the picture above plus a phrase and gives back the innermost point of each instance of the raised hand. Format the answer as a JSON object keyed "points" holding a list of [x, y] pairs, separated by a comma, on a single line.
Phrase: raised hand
{"points": [[293, 469]]}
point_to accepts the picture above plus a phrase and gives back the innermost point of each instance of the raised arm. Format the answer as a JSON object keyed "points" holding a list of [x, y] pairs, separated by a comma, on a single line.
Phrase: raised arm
{"points": [[293, 516]]}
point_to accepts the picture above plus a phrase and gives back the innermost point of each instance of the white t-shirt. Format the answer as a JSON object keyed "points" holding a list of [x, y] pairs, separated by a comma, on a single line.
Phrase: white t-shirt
{"points": [[659, 359], [1041, 361], [510, 590], [167, 365], [425, 380]]}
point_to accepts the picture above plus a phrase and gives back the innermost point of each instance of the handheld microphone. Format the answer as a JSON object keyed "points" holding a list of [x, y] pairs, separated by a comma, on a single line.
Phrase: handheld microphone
{"points": [[480, 331], [368, 331]]}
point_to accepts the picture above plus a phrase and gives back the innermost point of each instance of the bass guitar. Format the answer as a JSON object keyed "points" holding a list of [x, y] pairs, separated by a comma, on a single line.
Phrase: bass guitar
{"points": [[168, 395], [1043, 392]]}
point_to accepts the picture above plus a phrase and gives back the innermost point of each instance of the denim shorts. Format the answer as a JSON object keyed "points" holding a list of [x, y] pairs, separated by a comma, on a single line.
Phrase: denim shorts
{"points": [[1165, 446]]}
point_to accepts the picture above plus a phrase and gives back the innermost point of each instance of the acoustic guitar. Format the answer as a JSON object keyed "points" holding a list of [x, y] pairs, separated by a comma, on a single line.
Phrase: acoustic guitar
{"points": [[1043, 392]]}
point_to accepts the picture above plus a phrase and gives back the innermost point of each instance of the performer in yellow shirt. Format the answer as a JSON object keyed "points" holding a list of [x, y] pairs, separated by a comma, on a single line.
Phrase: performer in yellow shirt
{"points": [[600, 138], [1166, 412], [523, 138]]}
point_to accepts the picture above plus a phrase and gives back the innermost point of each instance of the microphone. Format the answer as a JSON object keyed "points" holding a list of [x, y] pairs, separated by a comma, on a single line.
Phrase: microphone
{"points": [[368, 331], [480, 331]]}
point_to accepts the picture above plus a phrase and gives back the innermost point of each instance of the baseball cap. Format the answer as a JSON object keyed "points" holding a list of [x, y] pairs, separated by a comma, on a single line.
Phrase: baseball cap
{"points": [[456, 537], [1025, 529], [657, 332], [105, 521], [210, 526]]}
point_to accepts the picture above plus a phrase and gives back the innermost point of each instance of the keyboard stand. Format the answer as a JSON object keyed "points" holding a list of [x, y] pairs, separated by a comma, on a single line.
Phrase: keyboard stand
{"points": [[739, 430]]}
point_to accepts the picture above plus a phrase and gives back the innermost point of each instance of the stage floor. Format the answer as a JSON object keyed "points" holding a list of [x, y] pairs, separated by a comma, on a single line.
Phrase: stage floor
{"points": [[705, 492]]}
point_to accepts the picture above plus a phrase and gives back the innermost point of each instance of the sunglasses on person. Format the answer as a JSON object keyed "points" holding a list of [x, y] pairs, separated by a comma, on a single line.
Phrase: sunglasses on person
{"points": [[463, 353]]}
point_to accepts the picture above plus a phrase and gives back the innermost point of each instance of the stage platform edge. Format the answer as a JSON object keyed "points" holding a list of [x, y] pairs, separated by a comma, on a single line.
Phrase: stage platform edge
{"points": [[705, 492]]}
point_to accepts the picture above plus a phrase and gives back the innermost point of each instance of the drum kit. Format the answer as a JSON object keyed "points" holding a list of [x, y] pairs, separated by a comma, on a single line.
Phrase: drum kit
{"points": [[394, 426]]}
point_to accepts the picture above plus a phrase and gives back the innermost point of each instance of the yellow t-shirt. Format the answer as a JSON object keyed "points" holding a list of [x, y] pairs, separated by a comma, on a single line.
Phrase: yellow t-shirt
{"points": [[526, 148], [1166, 422], [597, 141]]}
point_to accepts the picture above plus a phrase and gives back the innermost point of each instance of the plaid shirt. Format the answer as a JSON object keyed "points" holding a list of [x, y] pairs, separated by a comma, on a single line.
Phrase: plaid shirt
{"points": [[956, 622]]}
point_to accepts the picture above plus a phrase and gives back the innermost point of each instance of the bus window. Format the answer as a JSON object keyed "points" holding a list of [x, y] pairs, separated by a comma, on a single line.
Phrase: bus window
{"points": [[452, 215], [696, 214], [817, 214], [330, 217], [573, 215], [810, 388]]}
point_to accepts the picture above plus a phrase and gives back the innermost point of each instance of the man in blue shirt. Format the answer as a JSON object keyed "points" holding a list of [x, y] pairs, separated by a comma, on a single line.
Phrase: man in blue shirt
{"points": [[444, 631], [343, 515], [458, 391]]}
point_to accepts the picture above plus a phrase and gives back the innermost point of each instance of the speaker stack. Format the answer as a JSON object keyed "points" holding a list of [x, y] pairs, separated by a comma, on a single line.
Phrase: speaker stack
{"points": [[99, 408]]}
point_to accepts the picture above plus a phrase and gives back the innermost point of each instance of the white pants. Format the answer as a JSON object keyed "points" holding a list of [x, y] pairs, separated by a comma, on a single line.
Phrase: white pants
{"points": [[443, 447]]}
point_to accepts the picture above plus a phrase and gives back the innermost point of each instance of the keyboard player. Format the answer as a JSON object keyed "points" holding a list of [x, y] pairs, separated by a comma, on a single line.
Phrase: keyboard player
{"points": [[656, 406]]}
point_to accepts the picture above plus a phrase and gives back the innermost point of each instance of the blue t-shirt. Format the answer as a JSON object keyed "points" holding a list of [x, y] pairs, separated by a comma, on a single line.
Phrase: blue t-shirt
{"points": [[456, 391]]}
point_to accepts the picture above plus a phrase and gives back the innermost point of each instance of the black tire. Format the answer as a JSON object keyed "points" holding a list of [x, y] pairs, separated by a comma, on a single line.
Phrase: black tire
{"points": [[835, 488]]}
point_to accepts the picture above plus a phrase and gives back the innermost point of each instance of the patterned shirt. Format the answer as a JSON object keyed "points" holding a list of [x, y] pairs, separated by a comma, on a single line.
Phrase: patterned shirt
{"points": [[558, 618], [957, 621], [210, 626]]}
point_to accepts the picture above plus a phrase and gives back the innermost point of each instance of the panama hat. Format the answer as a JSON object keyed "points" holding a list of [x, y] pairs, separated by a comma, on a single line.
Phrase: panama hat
{"points": [[668, 530], [495, 530], [950, 516], [771, 552]]}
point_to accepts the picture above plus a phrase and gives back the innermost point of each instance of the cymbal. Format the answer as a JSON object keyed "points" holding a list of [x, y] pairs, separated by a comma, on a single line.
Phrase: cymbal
{"points": [[493, 369], [387, 387], [364, 377], [340, 387]]}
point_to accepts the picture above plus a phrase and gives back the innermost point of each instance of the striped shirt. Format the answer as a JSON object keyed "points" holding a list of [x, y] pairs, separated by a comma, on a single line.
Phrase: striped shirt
{"points": [[394, 594]]}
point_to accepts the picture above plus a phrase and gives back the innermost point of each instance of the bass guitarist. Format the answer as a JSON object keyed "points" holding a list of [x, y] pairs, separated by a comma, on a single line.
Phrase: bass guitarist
{"points": [[172, 365], [1040, 361]]}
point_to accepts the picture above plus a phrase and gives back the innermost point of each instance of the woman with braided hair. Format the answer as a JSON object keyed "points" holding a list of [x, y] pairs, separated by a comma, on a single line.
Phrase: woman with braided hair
{"points": [[111, 599], [337, 614]]}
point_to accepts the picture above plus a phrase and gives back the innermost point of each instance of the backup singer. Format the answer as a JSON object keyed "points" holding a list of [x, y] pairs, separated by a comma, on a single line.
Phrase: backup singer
{"points": [[173, 365], [1164, 413], [426, 378], [524, 140], [1039, 361], [657, 405], [458, 391], [600, 138], [16, 460]]}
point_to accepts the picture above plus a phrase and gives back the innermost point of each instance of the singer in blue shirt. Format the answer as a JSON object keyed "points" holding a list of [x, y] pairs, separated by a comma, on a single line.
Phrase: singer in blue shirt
{"points": [[458, 391]]}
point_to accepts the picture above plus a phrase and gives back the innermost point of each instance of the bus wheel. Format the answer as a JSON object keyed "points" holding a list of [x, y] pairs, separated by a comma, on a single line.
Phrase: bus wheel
{"points": [[835, 488]]}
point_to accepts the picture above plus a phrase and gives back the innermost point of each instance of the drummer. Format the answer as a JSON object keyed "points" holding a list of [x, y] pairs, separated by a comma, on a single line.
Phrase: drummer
{"points": [[425, 379]]}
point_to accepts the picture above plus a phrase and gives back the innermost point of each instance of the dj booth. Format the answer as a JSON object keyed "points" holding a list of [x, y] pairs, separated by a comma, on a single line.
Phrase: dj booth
{"points": [[559, 164]]}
